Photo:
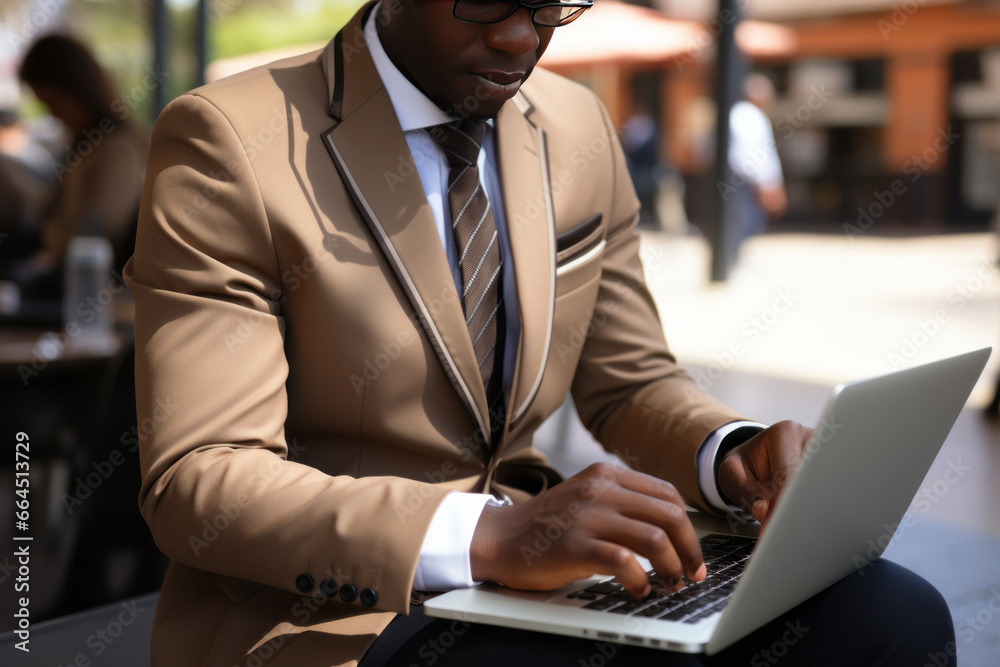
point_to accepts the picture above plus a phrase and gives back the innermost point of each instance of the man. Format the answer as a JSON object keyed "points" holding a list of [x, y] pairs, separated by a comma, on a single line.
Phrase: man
{"points": [[328, 437], [754, 161]]}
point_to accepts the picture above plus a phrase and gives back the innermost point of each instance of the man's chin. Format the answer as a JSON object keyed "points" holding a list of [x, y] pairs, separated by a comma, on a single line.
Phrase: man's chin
{"points": [[485, 98]]}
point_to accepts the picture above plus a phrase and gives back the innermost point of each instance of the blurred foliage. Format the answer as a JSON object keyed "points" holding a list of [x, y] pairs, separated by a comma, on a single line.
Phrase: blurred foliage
{"points": [[121, 34], [248, 26], [117, 31]]}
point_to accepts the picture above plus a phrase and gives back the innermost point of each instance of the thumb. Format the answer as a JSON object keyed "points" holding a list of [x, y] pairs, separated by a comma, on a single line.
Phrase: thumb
{"points": [[741, 486]]}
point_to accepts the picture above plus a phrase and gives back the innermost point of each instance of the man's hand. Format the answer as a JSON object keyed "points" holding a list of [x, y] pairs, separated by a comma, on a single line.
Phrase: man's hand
{"points": [[754, 474], [589, 524]]}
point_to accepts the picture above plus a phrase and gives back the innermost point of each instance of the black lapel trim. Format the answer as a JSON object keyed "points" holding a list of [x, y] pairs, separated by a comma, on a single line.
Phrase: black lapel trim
{"points": [[337, 105]]}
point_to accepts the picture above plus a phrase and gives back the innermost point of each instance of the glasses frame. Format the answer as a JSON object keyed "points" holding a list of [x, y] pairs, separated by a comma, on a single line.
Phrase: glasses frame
{"points": [[582, 5]]}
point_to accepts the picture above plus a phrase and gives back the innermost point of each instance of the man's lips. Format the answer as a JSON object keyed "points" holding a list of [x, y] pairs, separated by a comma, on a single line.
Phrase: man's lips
{"points": [[499, 86], [501, 78]]}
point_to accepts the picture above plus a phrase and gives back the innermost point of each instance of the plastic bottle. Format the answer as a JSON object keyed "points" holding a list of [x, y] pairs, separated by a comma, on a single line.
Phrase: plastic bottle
{"points": [[88, 311]]}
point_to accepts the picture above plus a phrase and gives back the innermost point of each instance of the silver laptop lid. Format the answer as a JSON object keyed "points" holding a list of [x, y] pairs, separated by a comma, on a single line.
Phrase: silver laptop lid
{"points": [[867, 458]]}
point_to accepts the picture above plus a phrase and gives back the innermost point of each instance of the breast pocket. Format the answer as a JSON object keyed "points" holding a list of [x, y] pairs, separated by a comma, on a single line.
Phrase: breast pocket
{"points": [[577, 253]]}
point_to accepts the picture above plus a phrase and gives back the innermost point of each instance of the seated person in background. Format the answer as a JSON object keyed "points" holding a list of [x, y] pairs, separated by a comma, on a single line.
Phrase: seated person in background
{"points": [[98, 180]]}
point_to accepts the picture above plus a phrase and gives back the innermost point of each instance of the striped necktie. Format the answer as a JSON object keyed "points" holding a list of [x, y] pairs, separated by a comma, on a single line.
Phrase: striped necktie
{"points": [[475, 238]]}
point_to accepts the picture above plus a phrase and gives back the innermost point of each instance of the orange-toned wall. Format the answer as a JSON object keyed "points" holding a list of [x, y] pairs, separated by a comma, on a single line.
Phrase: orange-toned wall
{"points": [[917, 42]]}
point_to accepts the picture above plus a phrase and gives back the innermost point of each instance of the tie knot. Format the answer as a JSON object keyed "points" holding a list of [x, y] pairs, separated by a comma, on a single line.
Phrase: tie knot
{"points": [[460, 140]]}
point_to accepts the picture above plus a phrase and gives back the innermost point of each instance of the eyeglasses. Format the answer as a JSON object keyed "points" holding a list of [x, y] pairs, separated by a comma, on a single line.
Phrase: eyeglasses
{"points": [[544, 14]]}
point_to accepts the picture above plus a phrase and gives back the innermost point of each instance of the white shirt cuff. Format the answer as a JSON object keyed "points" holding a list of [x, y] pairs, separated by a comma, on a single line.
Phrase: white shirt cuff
{"points": [[444, 556], [706, 465]]}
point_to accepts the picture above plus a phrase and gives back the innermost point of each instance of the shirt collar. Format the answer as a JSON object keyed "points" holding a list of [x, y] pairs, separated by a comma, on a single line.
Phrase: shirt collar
{"points": [[414, 110]]}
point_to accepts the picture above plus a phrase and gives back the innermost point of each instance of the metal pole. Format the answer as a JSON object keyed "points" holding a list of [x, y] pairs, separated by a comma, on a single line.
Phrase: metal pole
{"points": [[160, 54], [728, 78], [202, 42]]}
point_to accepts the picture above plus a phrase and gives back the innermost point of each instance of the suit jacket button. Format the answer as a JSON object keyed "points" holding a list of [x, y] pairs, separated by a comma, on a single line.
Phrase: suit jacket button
{"points": [[348, 593], [328, 587], [369, 597], [304, 583]]}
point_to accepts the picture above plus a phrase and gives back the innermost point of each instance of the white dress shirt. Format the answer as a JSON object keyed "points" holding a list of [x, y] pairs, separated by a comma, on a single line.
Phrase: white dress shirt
{"points": [[444, 555], [753, 155]]}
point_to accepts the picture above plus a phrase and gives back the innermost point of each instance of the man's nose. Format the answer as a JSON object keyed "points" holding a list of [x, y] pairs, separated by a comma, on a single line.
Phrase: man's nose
{"points": [[515, 35]]}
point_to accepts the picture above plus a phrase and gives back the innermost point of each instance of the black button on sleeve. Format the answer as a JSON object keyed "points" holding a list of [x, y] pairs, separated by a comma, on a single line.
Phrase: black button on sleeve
{"points": [[304, 583], [348, 593], [328, 587], [369, 597]]}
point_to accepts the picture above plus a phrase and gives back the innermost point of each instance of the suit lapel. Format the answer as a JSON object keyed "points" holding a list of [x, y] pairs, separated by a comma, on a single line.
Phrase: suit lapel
{"points": [[523, 164], [371, 154]]}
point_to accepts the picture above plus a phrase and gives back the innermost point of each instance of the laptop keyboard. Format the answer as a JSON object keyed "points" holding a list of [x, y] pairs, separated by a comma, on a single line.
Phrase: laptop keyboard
{"points": [[725, 558]]}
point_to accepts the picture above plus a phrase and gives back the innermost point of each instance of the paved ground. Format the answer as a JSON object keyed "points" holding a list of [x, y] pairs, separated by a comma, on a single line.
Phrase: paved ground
{"points": [[825, 309]]}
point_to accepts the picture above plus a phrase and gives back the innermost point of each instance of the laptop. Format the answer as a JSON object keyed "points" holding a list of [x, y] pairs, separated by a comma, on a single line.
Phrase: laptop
{"points": [[870, 452]]}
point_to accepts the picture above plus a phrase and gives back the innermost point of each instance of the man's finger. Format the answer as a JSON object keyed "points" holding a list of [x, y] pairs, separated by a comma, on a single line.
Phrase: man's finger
{"points": [[606, 476], [655, 545], [785, 457], [743, 487], [617, 560], [658, 530]]}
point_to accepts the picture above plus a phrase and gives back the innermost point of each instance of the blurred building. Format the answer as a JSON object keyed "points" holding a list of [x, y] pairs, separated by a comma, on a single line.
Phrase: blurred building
{"points": [[888, 115]]}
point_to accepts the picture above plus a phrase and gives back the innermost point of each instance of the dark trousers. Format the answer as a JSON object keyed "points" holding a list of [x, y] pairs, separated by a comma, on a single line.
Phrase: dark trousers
{"points": [[883, 615]]}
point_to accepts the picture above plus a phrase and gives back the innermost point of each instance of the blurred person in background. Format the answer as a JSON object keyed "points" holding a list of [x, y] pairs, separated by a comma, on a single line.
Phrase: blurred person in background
{"points": [[638, 139], [98, 179], [657, 182], [753, 159]]}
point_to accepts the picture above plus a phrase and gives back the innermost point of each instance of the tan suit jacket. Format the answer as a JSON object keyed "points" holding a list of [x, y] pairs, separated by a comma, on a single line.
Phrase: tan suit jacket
{"points": [[307, 388]]}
